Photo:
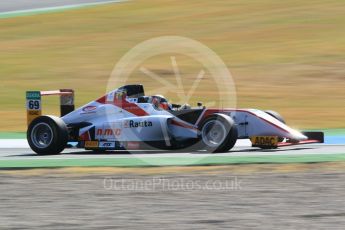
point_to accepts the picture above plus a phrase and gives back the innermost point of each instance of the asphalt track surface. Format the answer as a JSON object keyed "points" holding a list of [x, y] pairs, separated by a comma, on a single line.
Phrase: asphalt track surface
{"points": [[26, 158], [264, 196], [16, 5], [19, 8], [20, 153], [265, 199]]}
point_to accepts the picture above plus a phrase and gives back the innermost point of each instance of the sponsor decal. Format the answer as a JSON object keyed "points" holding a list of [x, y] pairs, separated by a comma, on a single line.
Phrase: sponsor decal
{"points": [[264, 140], [133, 145], [33, 95], [91, 144], [89, 109], [34, 113], [108, 132], [105, 144], [137, 124]]}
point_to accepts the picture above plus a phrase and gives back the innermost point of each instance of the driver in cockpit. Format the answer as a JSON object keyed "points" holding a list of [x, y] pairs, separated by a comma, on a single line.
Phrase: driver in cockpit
{"points": [[159, 101]]}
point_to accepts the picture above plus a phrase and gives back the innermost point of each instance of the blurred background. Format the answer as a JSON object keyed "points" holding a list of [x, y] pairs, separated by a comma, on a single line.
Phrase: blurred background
{"points": [[287, 56]]}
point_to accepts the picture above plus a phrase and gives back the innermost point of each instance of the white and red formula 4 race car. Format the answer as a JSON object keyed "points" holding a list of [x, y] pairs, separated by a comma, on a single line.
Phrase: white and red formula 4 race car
{"points": [[126, 119]]}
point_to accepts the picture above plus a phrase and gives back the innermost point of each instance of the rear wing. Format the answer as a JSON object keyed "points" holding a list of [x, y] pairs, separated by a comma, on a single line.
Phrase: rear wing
{"points": [[34, 102]]}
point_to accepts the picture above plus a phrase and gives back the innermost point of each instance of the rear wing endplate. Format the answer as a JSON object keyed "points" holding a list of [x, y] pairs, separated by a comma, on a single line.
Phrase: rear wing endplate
{"points": [[34, 102]]}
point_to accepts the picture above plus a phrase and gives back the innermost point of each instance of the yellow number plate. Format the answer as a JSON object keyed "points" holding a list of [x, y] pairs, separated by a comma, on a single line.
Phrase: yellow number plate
{"points": [[91, 144], [264, 140]]}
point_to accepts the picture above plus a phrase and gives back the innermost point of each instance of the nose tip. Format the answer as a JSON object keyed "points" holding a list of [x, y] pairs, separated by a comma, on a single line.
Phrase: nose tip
{"points": [[300, 136]]}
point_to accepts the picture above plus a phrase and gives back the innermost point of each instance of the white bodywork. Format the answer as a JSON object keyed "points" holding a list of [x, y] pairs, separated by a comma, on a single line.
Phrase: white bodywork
{"points": [[128, 120]]}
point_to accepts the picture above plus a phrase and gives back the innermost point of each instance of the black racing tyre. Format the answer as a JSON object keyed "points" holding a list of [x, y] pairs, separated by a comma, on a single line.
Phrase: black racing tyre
{"points": [[275, 115], [47, 135], [218, 133]]}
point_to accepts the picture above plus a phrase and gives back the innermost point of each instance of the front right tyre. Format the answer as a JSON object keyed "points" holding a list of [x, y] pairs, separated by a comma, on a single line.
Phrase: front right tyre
{"points": [[218, 133], [47, 135]]}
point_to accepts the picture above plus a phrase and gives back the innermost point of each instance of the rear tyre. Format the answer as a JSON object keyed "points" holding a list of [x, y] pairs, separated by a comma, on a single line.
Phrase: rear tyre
{"points": [[275, 115], [47, 135], [218, 133]]}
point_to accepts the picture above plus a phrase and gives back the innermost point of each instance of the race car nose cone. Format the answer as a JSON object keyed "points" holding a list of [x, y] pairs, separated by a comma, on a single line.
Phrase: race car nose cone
{"points": [[298, 135]]}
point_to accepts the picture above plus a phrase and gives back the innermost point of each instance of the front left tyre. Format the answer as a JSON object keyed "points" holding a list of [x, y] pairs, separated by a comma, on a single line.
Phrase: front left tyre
{"points": [[47, 135]]}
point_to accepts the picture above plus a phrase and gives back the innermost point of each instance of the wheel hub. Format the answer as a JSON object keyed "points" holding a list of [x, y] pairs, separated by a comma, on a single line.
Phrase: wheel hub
{"points": [[214, 133], [41, 135]]}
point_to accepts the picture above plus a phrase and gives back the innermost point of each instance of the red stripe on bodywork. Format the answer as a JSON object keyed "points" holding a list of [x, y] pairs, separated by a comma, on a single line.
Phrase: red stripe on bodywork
{"points": [[124, 104], [130, 107], [101, 100], [212, 111], [282, 144]]}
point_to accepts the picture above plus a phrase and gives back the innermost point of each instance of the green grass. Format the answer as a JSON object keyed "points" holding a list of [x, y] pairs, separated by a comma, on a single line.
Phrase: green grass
{"points": [[284, 55], [12, 135], [170, 161]]}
